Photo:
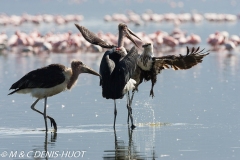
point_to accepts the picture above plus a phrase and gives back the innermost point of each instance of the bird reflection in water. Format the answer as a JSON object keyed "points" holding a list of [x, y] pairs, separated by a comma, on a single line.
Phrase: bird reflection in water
{"points": [[126, 152], [42, 152]]}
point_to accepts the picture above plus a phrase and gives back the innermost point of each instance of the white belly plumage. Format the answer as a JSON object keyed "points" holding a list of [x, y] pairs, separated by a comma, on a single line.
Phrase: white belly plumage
{"points": [[145, 67], [44, 92]]}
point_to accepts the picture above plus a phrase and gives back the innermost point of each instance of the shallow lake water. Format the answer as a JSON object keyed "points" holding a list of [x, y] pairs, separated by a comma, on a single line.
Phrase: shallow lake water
{"points": [[194, 114]]}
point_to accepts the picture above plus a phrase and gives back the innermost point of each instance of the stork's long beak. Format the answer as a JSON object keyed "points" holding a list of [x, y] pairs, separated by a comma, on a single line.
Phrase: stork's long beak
{"points": [[128, 35], [86, 69]]}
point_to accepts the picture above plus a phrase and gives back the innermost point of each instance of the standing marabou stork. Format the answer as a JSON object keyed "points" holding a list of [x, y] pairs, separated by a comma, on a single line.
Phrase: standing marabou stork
{"points": [[117, 66], [48, 81]]}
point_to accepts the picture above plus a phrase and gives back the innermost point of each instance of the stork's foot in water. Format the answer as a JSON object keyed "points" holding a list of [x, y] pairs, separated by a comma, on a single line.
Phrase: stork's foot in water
{"points": [[133, 126], [53, 123], [152, 93], [136, 88]]}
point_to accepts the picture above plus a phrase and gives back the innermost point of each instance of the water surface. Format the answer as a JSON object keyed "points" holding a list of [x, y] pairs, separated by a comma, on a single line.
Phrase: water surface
{"points": [[194, 114]]}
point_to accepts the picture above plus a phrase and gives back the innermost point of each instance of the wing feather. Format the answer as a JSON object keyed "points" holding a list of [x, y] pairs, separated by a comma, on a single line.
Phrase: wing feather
{"points": [[45, 77], [180, 62], [107, 66], [93, 38], [129, 63]]}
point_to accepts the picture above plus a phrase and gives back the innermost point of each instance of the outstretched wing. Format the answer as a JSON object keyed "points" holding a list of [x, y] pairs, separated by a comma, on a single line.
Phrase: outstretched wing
{"points": [[93, 38], [180, 62]]}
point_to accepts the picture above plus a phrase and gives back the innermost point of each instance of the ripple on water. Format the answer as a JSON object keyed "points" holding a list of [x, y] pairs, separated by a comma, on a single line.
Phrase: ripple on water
{"points": [[155, 124], [70, 129]]}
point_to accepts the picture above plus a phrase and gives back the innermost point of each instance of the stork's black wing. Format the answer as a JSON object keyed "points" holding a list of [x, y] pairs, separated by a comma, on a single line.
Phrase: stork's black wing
{"points": [[107, 66], [124, 70], [93, 38], [180, 62], [45, 77], [116, 72], [127, 65]]}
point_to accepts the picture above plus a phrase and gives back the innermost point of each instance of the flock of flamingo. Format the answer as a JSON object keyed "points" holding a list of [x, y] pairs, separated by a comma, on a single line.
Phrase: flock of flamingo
{"points": [[150, 16], [38, 19], [36, 43], [129, 17], [68, 42]]}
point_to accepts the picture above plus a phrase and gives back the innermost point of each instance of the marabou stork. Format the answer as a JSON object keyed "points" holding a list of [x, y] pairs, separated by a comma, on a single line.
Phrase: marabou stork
{"points": [[149, 66], [48, 81], [117, 66]]}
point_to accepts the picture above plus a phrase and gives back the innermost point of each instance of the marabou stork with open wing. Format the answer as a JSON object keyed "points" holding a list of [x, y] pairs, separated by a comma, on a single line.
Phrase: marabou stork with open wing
{"points": [[151, 66]]}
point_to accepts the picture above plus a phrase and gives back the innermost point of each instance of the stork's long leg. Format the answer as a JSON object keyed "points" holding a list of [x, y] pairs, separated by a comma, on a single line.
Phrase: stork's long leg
{"points": [[130, 105], [154, 80], [45, 113], [50, 118], [132, 99], [151, 91], [115, 113], [130, 110]]}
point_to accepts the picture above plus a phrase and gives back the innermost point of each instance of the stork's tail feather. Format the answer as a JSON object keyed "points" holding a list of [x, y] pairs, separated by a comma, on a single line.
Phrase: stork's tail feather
{"points": [[13, 91], [130, 85]]}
